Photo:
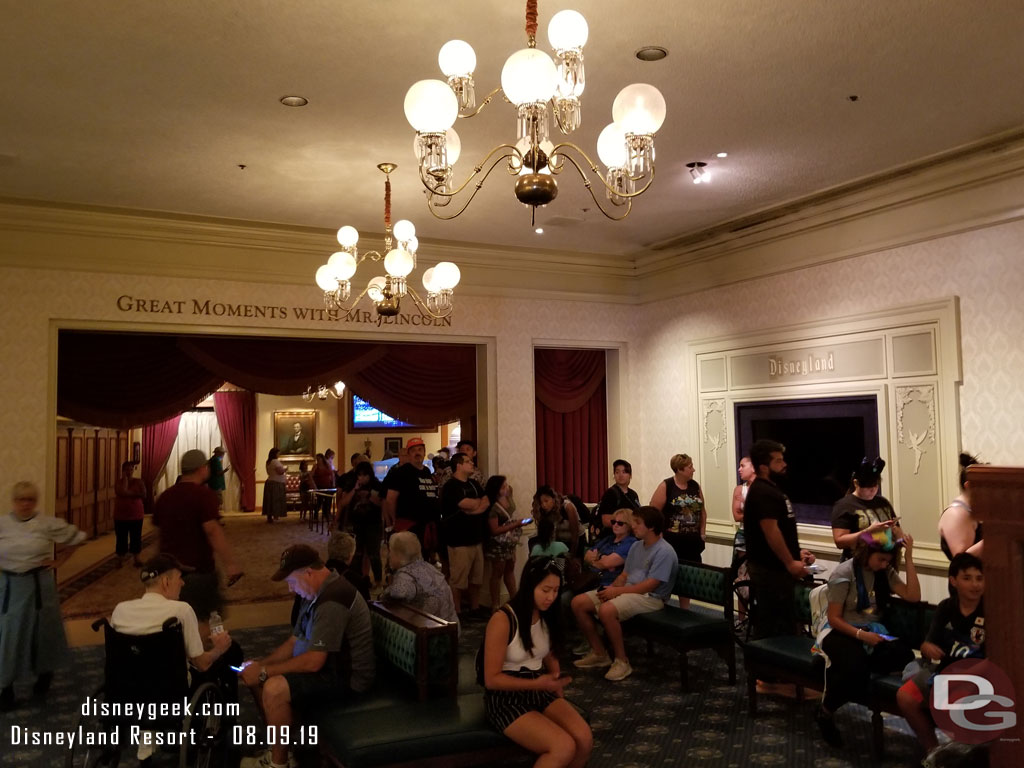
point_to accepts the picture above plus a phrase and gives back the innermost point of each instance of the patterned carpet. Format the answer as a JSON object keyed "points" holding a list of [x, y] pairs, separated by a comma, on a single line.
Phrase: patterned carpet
{"points": [[642, 721]]}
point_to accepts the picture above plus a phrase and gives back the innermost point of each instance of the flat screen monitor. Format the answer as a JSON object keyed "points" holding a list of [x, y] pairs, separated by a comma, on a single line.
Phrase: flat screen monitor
{"points": [[365, 416], [825, 440]]}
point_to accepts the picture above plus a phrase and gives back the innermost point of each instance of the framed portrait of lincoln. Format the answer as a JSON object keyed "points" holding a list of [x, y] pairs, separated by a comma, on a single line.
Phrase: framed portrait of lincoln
{"points": [[295, 434]]}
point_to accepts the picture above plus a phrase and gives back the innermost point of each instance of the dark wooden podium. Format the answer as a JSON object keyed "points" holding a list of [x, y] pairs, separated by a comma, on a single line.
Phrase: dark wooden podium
{"points": [[997, 499]]}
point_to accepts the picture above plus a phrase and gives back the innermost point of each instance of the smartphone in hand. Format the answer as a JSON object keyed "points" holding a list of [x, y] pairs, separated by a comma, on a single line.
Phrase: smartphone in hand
{"points": [[526, 520]]}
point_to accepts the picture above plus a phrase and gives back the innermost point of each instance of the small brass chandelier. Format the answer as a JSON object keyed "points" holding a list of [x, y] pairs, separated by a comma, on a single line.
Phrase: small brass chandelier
{"points": [[386, 291], [534, 84], [322, 392]]}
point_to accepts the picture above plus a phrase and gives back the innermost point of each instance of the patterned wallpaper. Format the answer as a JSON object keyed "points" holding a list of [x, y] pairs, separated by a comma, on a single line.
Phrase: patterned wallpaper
{"points": [[33, 298], [985, 268]]}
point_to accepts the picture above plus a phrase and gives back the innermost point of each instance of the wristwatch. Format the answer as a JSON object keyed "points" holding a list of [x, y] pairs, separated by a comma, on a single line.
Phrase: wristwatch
{"points": [[263, 675]]}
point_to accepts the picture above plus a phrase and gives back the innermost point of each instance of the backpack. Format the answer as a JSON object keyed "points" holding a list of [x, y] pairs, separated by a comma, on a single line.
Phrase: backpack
{"points": [[480, 650]]}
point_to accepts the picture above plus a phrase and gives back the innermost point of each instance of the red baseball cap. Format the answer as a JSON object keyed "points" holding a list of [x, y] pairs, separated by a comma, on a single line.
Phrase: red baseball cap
{"points": [[414, 441]]}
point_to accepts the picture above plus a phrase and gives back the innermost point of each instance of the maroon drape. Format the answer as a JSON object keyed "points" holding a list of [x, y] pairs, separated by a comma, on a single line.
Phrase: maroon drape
{"points": [[572, 421], [123, 380], [236, 415], [422, 384], [157, 441]]}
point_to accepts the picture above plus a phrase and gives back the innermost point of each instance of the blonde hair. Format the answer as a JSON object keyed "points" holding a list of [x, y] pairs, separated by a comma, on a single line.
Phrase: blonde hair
{"points": [[342, 546], [627, 517], [679, 461], [406, 547], [22, 486]]}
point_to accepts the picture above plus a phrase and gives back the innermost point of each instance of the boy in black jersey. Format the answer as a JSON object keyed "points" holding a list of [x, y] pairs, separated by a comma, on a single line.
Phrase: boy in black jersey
{"points": [[957, 632]]}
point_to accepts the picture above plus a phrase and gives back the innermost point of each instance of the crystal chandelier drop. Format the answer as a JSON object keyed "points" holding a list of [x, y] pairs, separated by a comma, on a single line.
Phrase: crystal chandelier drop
{"points": [[535, 85], [386, 291]]}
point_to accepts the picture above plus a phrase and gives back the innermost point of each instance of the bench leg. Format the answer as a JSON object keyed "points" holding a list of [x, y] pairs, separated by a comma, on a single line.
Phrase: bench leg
{"points": [[683, 683], [727, 653], [877, 741]]}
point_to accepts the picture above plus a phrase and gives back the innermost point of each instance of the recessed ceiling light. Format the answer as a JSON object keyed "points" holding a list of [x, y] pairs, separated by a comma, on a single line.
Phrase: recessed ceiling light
{"points": [[539, 230], [294, 101], [699, 172], [722, 154], [651, 53]]}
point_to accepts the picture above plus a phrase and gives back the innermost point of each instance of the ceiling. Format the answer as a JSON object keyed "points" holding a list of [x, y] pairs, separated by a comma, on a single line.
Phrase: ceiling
{"points": [[154, 106]]}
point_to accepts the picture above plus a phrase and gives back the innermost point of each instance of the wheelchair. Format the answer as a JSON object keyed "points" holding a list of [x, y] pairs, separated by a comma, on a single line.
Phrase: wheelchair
{"points": [[151, 670]]}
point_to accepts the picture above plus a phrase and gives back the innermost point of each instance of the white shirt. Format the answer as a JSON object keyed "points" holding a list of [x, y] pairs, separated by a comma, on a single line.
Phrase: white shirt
{"points": [[27, 544], [516, 656], [148, 614]]}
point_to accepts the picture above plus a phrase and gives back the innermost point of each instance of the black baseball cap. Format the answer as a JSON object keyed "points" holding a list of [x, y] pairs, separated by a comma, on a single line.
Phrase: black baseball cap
{"points": [[295, 557], [162, 563]]}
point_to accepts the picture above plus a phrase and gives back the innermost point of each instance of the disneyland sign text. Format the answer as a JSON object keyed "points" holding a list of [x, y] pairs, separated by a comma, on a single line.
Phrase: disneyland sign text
{"points": [[219, 309]]}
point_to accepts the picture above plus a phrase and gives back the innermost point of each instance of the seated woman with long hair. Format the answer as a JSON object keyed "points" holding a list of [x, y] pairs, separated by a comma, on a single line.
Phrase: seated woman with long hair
{"points": [[523, 695]]}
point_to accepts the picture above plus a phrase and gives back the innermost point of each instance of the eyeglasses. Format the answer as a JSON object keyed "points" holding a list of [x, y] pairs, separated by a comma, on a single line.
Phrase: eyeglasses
{"points": [[618, 522]]}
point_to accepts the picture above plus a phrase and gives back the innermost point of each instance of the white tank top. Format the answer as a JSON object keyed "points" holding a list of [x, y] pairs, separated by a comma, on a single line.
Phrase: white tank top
{"points": [[516, 656]]}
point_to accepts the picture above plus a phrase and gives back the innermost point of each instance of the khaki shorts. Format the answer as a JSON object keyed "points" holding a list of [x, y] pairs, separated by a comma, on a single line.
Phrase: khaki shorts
{"points": [[466, 565], [629, 604]]}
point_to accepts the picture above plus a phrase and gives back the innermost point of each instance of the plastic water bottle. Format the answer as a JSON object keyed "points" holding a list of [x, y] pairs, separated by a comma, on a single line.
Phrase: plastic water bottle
{"points": [[216, 623]]}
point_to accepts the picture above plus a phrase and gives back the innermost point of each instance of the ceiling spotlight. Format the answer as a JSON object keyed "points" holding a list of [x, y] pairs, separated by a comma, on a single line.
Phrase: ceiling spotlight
{"points": [[722, 154], [539, 230], [651, 53], [294, 101], [699, 173]]}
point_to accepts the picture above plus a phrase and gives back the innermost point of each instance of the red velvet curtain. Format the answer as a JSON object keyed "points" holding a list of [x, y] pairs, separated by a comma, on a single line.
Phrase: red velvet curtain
{"points": [[572, 421], [123, 380], [157, 441], [236, 416]]}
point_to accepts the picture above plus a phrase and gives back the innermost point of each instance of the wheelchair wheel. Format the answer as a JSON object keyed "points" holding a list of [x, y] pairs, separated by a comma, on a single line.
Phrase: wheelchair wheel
{"points": [[88, 756], [210, 728]]}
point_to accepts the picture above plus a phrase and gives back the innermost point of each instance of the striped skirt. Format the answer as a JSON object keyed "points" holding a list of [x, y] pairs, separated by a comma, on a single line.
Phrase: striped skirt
{"points": [[505, 707]]}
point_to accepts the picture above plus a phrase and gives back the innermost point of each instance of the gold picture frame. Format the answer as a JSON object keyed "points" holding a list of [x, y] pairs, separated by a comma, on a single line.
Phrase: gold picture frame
{"points": [[295, 444]]}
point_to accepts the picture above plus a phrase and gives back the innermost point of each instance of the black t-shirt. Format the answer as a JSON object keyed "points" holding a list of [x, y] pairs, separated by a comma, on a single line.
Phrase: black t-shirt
{"points": [[959, 636], [614, 500], [417, 493], [765, 501], [461, 529], [853, 513]]}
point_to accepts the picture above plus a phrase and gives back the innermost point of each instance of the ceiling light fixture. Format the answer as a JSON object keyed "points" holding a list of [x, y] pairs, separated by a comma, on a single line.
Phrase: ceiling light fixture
{"points": [[532, 82], [699, 172], [337, 391], [722, 154], [539, 230], [294, 101], [387, 291], [651, 53]]}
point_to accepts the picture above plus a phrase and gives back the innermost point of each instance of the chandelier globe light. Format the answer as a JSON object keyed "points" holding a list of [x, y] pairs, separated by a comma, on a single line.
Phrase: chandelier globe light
{"points": [[322, 392], [538, 87], [399, 256]]}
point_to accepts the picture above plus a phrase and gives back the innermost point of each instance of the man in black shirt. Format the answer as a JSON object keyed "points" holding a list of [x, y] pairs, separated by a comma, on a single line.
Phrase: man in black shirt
{"points": [[774, 557], [463, 518], [619, 496], [411, 501]]}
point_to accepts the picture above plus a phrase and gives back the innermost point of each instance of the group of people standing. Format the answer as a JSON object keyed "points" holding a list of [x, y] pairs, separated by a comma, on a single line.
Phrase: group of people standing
{"points": [[876, 564]]}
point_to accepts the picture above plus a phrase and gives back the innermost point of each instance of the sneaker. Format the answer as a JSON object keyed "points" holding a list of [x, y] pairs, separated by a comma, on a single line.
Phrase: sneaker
{"points": [[827, 726], [265, 761], [593, 660], [582, 649], [620, 670]]}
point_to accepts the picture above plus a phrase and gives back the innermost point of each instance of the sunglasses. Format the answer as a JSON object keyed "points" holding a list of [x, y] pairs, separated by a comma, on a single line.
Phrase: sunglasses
{"points": [[538, 564], [618, 522], [26, 498]]}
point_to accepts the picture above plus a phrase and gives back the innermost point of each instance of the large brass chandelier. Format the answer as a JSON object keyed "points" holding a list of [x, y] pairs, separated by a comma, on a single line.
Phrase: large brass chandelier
{"points": [[386, 291], [534, 84]]}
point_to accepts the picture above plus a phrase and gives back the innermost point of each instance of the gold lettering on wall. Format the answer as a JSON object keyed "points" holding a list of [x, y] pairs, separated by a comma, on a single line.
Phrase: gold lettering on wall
{"points": [[779, 367], [212, 308]]}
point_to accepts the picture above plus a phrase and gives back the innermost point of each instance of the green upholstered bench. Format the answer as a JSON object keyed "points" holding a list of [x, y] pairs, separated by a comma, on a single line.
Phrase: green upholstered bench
{"points": [[696, 627], [415, 712], [789, 659]]}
